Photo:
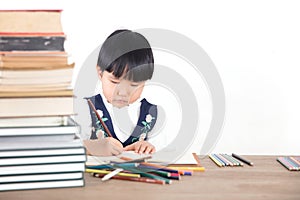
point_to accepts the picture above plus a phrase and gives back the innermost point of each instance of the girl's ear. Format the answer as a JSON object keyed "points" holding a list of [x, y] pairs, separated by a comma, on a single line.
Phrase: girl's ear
{"points": [[99, 72]]}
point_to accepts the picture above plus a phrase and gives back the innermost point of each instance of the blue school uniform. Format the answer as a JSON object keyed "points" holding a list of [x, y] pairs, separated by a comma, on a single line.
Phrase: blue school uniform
{"points": [[145, 123]]}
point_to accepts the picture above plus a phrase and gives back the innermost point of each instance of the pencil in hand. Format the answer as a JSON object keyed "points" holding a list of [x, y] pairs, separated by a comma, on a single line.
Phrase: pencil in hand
{"points": [[99, 118]]}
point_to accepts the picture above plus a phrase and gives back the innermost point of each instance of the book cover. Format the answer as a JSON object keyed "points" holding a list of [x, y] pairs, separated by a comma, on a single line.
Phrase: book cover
{"points": [[43, 168], [32, 43], [17, 153], [36, 106], [19, 145], [42, 160], [21, 77], [41, 177], [42, 185], [54, 93], [23, 21], [33, 121], [34, 88]]}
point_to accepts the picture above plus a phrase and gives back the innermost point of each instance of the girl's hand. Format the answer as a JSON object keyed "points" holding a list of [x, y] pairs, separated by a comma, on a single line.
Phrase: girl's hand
{"points": [[141, 147], [103, 147]]}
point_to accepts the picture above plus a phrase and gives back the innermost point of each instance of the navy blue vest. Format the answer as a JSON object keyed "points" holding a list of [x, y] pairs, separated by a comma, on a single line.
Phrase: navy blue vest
{"points": [[146, 121]]}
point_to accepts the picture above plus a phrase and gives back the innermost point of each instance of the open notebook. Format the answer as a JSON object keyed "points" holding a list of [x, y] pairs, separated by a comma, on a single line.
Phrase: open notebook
{"points": [[156, 158]]}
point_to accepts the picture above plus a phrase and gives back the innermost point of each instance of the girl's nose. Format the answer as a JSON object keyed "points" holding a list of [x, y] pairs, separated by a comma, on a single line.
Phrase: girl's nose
{"points": [[121, 89]]}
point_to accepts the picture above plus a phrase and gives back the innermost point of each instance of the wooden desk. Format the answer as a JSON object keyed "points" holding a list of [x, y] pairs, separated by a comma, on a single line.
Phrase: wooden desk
{"points": [[266, 180]]}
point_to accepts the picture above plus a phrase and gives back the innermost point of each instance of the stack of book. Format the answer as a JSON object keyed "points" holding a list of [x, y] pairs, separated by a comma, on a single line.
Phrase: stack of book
{"points": [[39, 147]]}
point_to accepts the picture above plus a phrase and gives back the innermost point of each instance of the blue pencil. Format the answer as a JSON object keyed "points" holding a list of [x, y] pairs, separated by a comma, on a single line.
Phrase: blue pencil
{"points": [[293, 164], [236, 161], [233, 161], [286, 164], [158, 168], [220, 160]]}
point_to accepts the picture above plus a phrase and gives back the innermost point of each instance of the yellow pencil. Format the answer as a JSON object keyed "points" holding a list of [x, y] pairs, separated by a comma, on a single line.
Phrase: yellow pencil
{"points": [[216, 161], [198, 169], [107, 172]]}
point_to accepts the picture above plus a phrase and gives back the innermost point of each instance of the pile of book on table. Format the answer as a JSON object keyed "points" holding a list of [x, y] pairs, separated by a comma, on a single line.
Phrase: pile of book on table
{"points": [[39, 145]]}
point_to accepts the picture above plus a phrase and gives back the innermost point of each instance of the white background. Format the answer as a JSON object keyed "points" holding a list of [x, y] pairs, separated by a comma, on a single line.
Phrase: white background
{"points": [[255, 46]]}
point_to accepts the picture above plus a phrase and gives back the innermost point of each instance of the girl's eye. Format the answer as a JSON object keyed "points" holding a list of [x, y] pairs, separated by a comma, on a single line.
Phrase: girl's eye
{"points": [[134, 85], [114, 82]]}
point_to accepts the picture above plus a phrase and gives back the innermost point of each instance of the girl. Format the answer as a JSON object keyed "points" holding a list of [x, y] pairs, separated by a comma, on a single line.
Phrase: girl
{"points": [[125, 63]]}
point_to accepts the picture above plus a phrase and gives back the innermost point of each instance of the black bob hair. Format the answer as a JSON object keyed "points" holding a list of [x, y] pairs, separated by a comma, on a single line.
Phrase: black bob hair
{"points": [[127, 53]]}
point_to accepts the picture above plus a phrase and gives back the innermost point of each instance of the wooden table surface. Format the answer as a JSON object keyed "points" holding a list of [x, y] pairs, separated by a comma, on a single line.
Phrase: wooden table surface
{"points": [[267, 179]]}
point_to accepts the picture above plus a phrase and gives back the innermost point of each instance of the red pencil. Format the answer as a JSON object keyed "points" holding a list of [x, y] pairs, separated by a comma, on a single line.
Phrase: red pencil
{"points": [[141, 179]]}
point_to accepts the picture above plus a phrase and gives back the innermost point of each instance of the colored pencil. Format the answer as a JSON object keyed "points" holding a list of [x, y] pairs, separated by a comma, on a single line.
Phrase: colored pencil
{"points": [[176, 177], [155, 171], [112, 165], [187, 168], [99, 118], [160, 167], [230, 158], [141, 179], [197, 159], [242, 159], [111, 174], [149, 167], [282, 161], [292, 163], [295, 160], [216, 161], [186, 172], [219, 159], [105, 166], [107, 172], [237, 161], [148, 175], [228, 162], [160, 173], [154, 166]]}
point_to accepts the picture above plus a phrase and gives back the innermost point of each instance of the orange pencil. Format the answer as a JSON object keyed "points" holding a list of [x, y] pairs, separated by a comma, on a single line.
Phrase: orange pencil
{"points": [[197, 159]]}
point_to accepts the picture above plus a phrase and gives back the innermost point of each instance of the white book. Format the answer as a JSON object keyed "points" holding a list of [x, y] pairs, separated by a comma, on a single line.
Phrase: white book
{"points": [[19, 77], [42, 160], [42, 152], [38, 74], [70, 128], [41, 177], [33, 121], [19, 145], [43, 168], [36, 106], [42, 184], [36, 133]]}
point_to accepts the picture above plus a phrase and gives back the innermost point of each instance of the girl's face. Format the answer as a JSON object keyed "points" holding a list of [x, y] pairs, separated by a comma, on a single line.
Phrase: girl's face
{"points": [[119, 91]]}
